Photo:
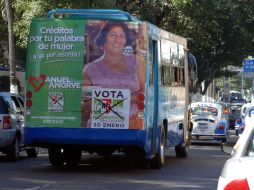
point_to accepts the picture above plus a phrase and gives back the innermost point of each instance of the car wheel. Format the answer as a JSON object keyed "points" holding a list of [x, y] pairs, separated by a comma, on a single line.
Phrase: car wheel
{"points": [[32, 152], [158, 161], [13, 151]]}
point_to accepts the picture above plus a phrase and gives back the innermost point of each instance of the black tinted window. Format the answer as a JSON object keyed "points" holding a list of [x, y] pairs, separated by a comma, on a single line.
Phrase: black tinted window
{"points": [[21, 102], [3, 107], [16, 102]]}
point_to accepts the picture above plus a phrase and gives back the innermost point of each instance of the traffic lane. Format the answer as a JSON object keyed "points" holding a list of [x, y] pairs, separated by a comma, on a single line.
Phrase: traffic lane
{"points": [[198, 171]]}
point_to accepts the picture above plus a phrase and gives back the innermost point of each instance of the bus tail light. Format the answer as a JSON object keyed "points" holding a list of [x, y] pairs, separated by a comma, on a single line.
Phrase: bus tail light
{"points": [[6, 122], [141, 105], [239, 184], [29, 103], [141, 97], [140, 101], [29, 94]]}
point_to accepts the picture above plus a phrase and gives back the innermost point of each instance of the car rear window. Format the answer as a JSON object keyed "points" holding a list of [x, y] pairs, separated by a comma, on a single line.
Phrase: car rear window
{"points": [[3, 107], [235, 109]]}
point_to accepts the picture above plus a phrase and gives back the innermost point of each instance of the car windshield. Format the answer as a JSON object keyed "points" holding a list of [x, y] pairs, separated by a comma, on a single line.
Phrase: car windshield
{"points": [[204, 111]]}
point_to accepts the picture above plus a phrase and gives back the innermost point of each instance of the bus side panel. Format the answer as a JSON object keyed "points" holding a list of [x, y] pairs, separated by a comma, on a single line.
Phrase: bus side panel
{"points": [[172, 108]]}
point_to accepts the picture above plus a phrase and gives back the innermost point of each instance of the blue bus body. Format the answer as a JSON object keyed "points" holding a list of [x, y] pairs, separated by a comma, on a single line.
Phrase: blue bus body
{"points": [[164, 116]]}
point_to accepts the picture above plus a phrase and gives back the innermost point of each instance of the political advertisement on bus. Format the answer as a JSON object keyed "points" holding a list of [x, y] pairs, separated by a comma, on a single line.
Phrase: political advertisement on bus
{"points": [[84, 73]]}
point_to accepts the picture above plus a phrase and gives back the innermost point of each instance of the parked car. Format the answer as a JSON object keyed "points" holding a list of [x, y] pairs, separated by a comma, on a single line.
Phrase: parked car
{"points": [[239, 126], [237, 172], [226, 109], [239, 123], [208, 122], [235, 113], [12, 126], [241, 101], [248, 119]]}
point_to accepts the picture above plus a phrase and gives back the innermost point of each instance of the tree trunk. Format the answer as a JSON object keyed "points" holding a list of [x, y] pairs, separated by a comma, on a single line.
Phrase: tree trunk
{"points": [[11, 55], [206, 85]]}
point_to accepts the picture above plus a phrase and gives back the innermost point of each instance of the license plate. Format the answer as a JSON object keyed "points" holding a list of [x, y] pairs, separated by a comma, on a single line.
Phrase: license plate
{"points": [[202, 126]]}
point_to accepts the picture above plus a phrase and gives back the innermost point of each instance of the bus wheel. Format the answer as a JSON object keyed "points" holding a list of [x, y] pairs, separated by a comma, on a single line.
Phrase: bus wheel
{"points": [[158, 161], [32, 152], [181, 151], [72, 156], [56, 156], [105, 151]]}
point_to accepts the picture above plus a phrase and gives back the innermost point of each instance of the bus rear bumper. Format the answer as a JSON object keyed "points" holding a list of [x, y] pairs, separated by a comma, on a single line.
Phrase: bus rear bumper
{"points": [[84, 136]]}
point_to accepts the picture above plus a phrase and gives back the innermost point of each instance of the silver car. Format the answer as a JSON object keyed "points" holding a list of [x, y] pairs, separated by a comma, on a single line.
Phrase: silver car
{"points": [[237, 172], [12, 126]]}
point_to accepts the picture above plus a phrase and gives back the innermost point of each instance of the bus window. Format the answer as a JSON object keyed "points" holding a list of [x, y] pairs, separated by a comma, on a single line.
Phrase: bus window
{"points": [[151, 68]]}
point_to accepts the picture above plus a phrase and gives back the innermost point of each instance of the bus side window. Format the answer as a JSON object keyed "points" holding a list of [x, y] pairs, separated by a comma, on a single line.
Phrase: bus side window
{"points": [[151, 62]]}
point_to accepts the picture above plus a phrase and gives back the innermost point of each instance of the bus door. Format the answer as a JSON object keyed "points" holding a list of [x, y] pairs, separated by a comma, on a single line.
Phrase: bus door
{"points": [[153, 83]]}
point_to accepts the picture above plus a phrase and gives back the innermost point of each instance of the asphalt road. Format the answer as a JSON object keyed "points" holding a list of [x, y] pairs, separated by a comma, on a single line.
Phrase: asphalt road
{"points": [[200, 170]]}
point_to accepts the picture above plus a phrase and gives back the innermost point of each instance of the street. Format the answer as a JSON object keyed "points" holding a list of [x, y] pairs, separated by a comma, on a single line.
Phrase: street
{"points": [[200, 170]]}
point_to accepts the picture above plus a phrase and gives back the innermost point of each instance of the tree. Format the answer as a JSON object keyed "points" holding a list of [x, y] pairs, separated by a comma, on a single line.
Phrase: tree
{"points": [[219, 34], [11, 56], [3, 38]]}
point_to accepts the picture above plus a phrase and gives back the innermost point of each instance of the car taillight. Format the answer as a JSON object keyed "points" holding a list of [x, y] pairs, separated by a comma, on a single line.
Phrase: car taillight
{"points": [[239, 184], [222, 127], [6, 122], [226, 111]]}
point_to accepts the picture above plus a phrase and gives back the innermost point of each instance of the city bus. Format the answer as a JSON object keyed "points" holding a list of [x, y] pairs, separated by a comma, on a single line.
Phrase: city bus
{"points": [[103, 82]]}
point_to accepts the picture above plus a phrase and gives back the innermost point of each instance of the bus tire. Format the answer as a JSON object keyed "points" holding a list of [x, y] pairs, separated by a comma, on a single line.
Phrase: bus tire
{"points": [[105, 151], [32, 152], [158, 161], [181, 151], [56, 157], [72, 156]]}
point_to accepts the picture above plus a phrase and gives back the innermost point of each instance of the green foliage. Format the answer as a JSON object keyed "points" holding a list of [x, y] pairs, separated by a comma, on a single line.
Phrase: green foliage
{"points": [[219, 32], [25, 10]]}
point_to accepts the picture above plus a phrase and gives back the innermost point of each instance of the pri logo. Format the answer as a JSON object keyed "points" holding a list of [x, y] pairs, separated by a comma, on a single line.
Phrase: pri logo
{"points": [[55, 102], [37, 82], [108, 107]]}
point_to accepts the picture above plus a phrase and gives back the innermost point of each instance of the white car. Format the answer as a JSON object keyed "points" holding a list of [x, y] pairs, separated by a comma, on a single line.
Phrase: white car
{"points": [[12, 126], [239, 123], [247, 118], [237, 173], [209, 122]]}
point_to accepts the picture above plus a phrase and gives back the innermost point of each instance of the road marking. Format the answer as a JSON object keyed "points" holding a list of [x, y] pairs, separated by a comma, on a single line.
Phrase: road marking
{"points": [[38, 187]]}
